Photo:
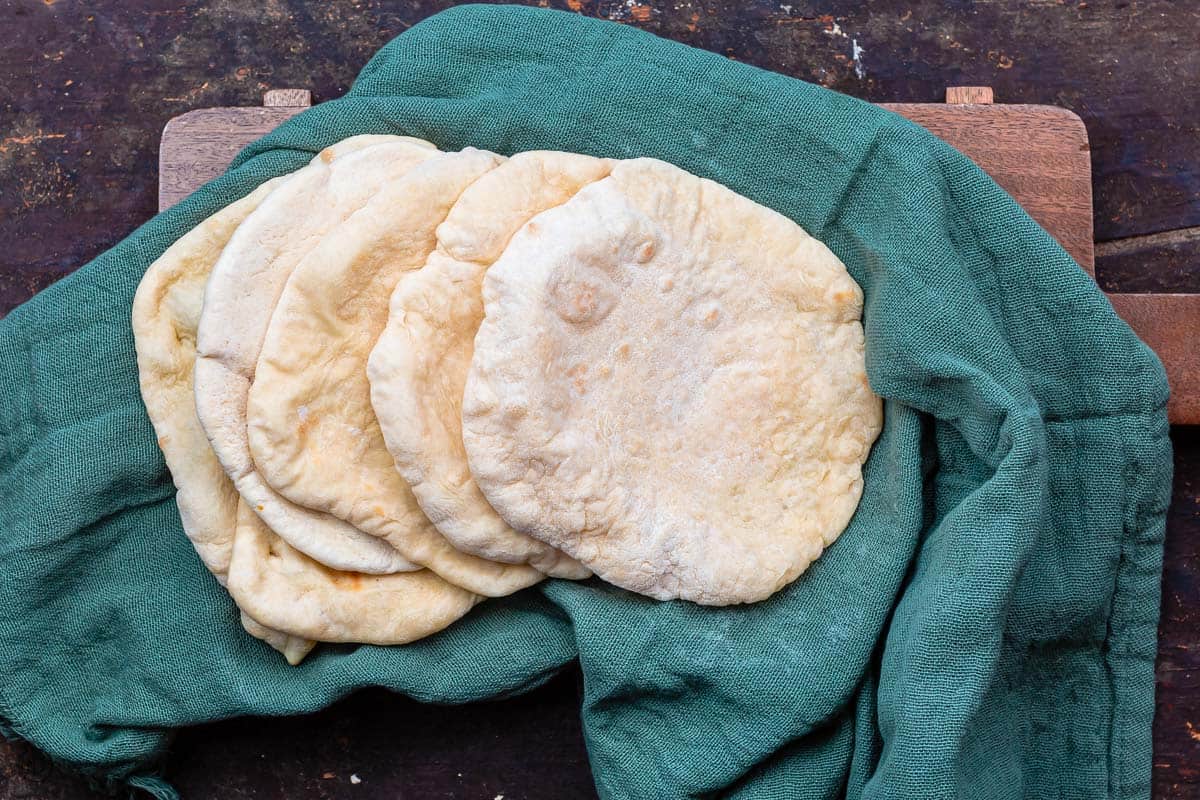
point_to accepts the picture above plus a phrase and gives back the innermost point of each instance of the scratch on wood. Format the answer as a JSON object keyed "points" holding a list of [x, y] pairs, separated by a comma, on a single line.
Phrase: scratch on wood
{"points": [[188, 96], [856, 54], [1132, 244], [32, 138]]}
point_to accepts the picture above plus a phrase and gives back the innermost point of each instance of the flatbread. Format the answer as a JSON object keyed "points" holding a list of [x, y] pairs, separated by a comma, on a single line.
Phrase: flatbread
{"points": [[313, 433], [419, 365], [166, 311], [670, 386], [239, 298], [293, 648], [282, 588]]}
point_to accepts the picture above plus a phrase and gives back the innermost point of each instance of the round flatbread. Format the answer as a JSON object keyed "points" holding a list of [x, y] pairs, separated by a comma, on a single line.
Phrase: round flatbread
{"points": [[293, 648], [670, 386], [312, 430], [166, 311], [282, 588], [419, 365], [239, 298]]}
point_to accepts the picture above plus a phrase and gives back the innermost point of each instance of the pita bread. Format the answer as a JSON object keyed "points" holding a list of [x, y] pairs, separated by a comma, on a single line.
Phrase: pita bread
{"points": [[670, 386], [239, 298], [166, 310], [312, 431], [419, 365], [293, 648], [282, 588]]}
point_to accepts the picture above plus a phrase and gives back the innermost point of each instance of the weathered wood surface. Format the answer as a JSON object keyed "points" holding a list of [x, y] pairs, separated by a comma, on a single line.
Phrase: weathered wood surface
{"points": [[1170, 325], [970, 94], [198, 146], [1038, 154], [86, 88], [1177, 717], [527, 748]]}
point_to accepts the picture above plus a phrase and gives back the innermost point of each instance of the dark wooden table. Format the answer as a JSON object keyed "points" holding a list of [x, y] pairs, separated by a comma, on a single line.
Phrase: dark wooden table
{"points": [[86, 88]]}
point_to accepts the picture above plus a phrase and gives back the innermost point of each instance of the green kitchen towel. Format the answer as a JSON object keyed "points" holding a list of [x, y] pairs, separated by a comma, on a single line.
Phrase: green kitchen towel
{"points": [[985, 627]]}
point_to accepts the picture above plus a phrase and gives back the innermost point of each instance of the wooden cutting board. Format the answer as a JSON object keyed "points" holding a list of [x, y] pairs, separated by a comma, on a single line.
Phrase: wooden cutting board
{"points": [[1039, 154]]}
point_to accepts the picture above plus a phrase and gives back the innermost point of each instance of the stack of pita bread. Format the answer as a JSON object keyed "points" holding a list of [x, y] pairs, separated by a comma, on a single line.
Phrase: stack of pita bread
{"points": [[400, 381]]}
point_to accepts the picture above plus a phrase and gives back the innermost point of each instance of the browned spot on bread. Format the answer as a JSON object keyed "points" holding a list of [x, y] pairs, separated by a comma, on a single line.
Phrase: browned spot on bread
{"points": [[645, 251], [578, 373], [584, 300], [351, 581], [307, 421]]}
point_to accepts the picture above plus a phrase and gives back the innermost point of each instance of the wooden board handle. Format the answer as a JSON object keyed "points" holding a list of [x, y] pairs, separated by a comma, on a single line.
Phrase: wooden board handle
{"points": [[958, 95], [287, 98], [1170, 325], [1039, 154]]}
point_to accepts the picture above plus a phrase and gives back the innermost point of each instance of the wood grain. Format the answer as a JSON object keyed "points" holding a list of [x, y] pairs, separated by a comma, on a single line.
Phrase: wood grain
{"points": [[1170, 324], [969, 94], [1038, 154], [1158, 262], [198, 146], [287, 98], [85, 89], [1177, 701]]}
